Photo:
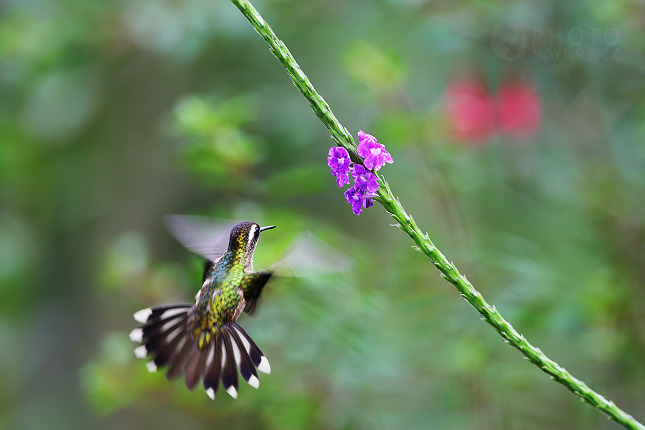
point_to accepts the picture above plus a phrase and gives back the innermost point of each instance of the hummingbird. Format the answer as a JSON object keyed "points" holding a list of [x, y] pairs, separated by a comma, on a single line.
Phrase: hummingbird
{"points": [[203, 340]]}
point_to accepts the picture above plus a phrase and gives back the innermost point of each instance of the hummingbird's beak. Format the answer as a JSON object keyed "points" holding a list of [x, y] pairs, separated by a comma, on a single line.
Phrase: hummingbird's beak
{"points": [[269, 227]]}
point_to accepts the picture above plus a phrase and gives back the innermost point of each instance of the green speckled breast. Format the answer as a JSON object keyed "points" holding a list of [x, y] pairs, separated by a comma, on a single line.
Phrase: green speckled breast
{"points": [[222, 299]]}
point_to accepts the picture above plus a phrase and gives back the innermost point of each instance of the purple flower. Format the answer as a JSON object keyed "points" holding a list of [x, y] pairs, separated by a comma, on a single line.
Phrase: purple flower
{"points": [[365, 180], [365, 186], [339, 162], [356, 197], [374, 153]]}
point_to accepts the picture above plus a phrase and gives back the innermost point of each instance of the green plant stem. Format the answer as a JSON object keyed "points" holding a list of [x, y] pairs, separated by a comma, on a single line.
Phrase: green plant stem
{"points": [[339, 134], [406, 223]]}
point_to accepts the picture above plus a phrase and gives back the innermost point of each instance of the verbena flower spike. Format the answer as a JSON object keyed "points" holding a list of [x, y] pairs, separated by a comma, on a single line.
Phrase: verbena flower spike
{"points": [[406, 223], [365, 182]]}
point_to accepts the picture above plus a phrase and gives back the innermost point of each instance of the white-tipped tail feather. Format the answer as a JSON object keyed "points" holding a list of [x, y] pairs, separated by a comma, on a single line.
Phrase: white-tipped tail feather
{"points": [[211, 393], [141, 351], [254, 382], [232, 391], [136, 335], [142, 315], [170, 335], [264, 365]]}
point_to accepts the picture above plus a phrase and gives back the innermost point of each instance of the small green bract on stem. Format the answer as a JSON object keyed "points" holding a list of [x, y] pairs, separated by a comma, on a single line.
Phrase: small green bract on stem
{"points": [[365, 182]]}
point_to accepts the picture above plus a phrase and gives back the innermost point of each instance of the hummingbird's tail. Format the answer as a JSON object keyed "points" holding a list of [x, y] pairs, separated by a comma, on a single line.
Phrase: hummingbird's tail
{"points": [[173, 337]]}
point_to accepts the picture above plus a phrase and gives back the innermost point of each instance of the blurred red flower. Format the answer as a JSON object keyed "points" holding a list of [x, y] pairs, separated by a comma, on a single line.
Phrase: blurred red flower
{"points": [[471, 110], [475, 115], [520, 112]]}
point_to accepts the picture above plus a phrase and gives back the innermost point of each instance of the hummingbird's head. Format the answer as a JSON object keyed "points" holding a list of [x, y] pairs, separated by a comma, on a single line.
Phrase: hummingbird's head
{"points": [[244, 238]]}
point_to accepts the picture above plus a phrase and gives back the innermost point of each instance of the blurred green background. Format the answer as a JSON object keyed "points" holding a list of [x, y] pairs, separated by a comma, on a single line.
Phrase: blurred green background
{"points": [[518, 134]]}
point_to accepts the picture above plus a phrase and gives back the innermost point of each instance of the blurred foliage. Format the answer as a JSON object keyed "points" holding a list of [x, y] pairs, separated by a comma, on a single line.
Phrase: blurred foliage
{"points": [[114, 113], [220, 152]]}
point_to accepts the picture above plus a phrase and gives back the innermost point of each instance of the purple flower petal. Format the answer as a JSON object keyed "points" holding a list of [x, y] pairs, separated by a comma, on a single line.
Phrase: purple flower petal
{"points": [[354, 197], [364, 138], [374, 153], [338, 160], [358, 197], [365, 180]]}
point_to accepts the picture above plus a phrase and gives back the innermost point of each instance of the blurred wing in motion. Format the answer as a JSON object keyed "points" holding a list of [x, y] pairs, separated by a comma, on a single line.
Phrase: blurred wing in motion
{"points": [[253, 286], [204, 236], [307, 255]]}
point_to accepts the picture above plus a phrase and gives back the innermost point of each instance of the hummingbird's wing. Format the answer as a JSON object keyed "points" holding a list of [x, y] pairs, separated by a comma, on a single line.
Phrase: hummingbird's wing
{"points": [[307, 255], [252, 288], [204, 236]]}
